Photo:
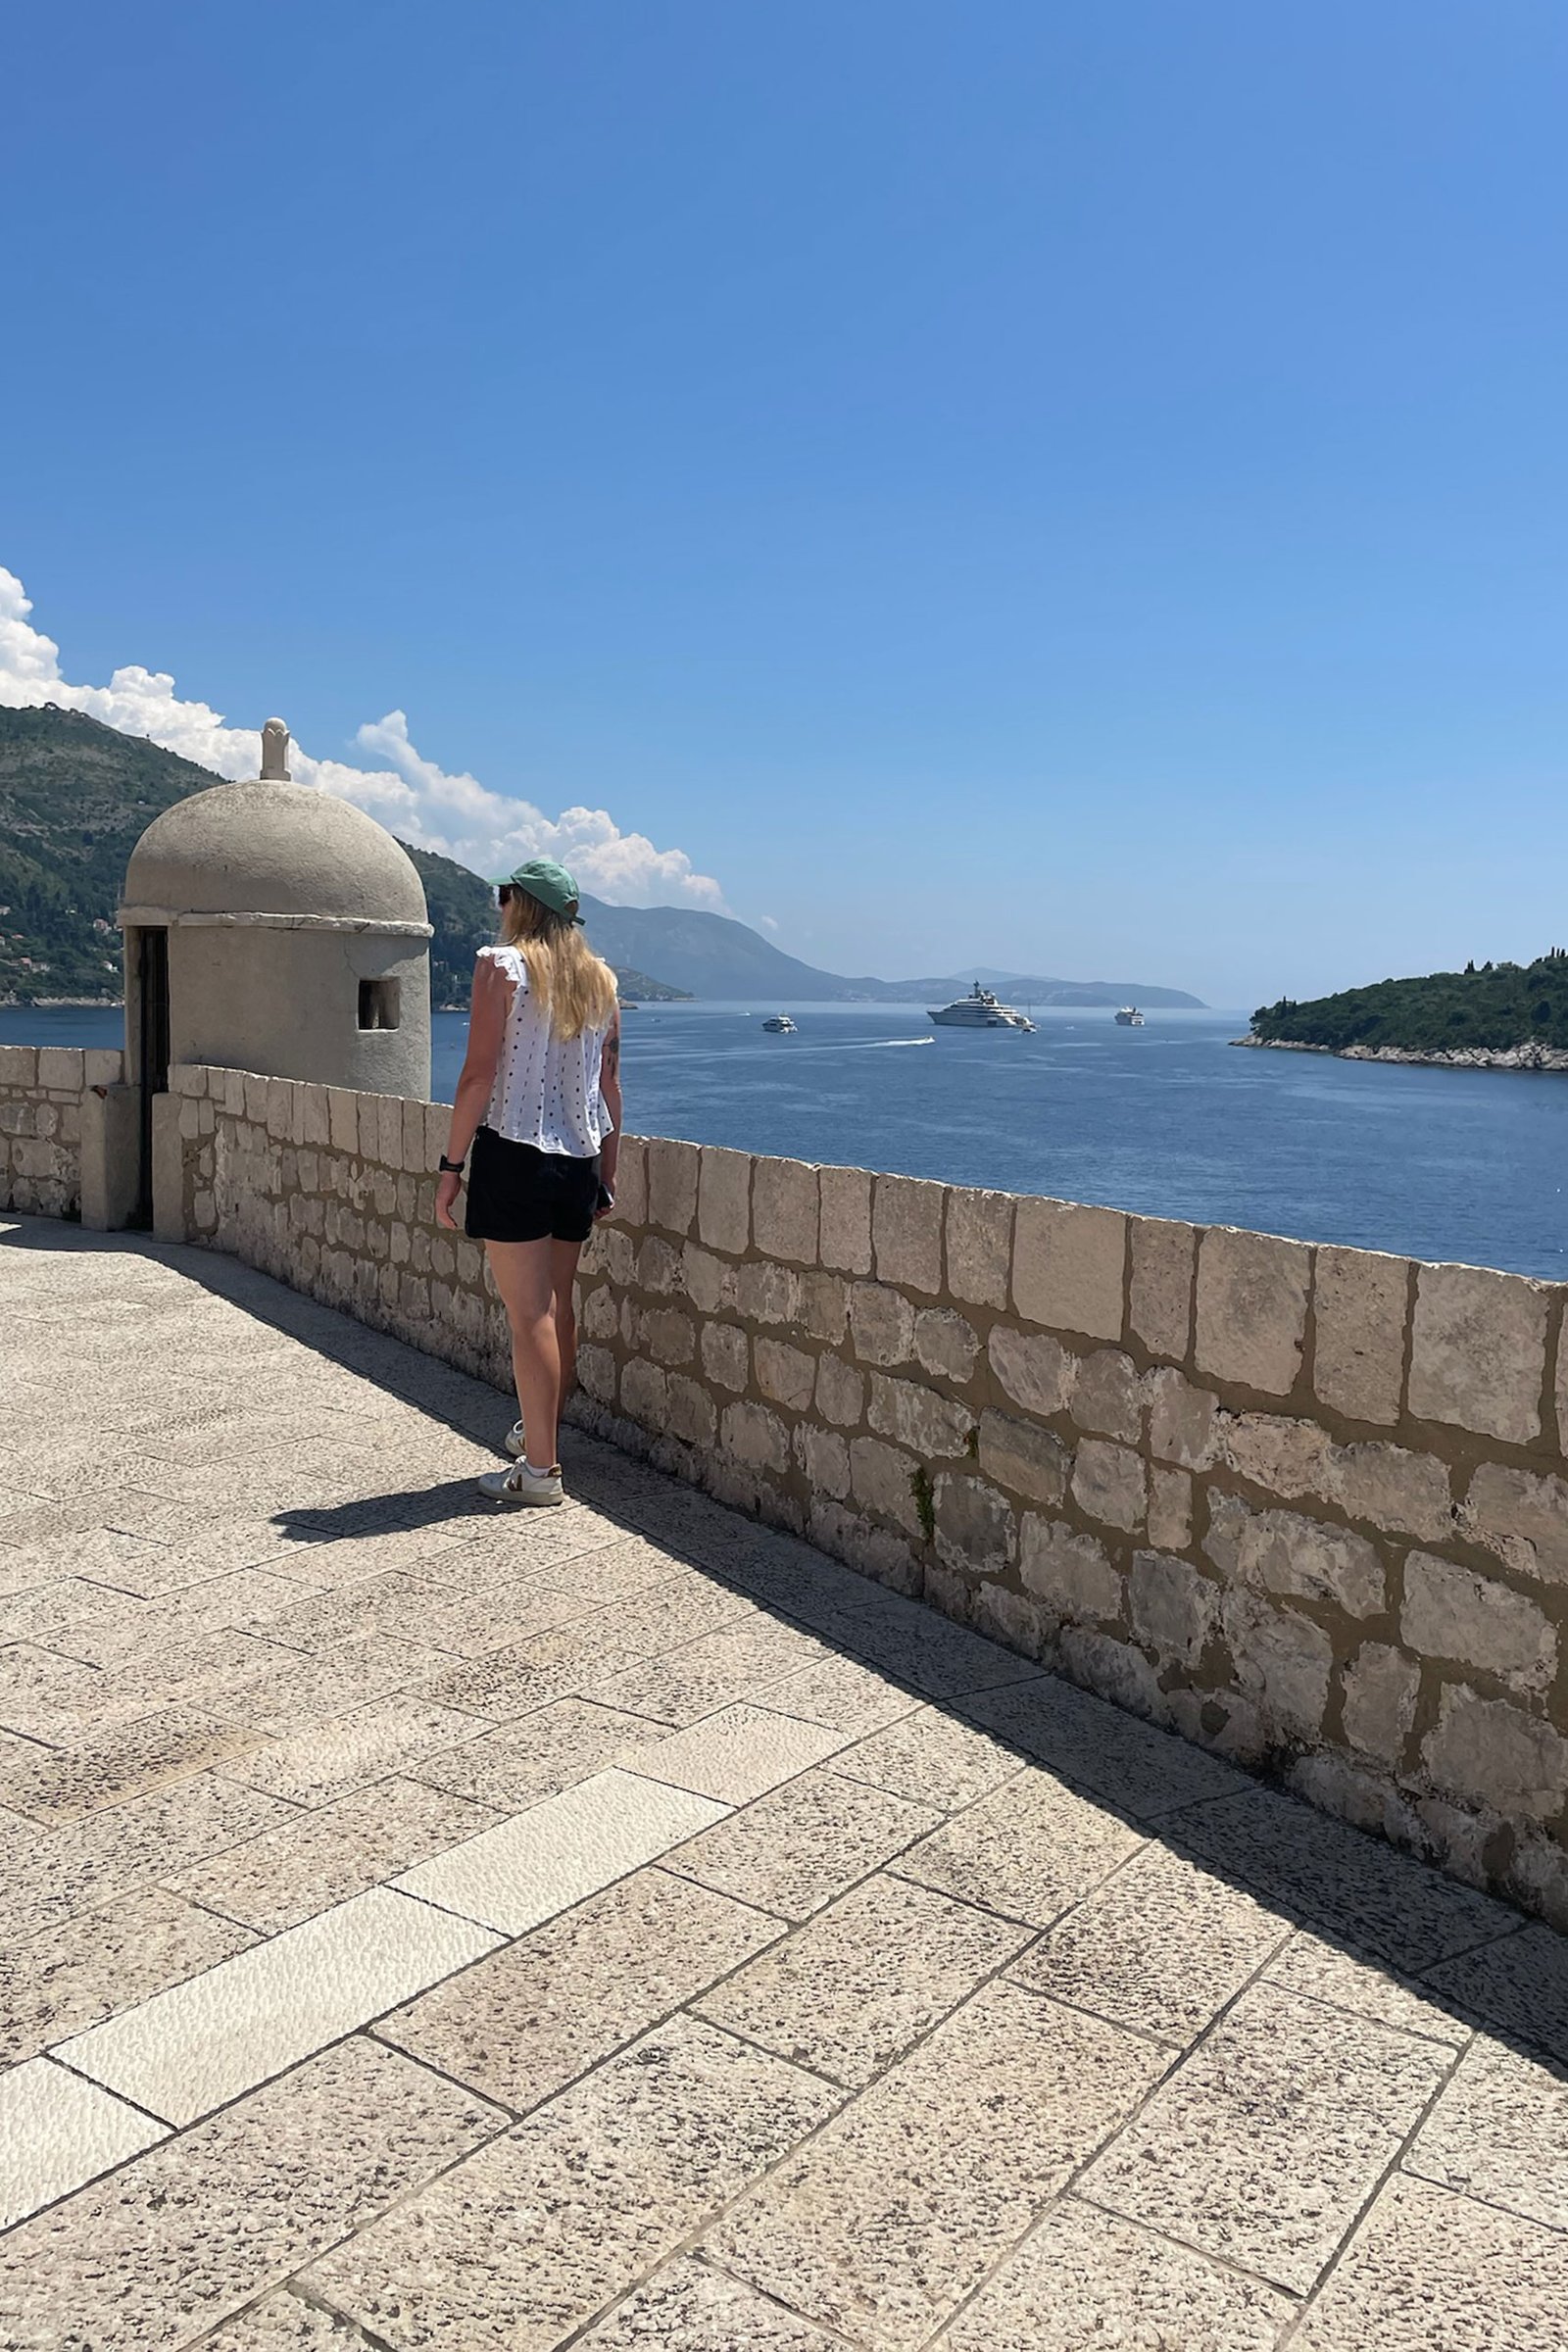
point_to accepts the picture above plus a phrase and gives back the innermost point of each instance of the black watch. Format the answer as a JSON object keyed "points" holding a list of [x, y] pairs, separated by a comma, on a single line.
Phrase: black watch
{"points": [[450, 1167]]}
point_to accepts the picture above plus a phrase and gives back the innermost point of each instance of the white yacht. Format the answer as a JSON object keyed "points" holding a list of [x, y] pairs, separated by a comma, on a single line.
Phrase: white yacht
{"points": [[979, 1009], [1128, 1017], [780, 1025]]}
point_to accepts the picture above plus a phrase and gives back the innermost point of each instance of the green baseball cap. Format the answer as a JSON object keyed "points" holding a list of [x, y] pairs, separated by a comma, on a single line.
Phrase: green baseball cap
{"points": [[543, 879]]}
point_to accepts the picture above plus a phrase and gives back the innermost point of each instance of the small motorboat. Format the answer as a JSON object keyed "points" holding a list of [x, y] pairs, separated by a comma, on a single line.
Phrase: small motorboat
{"points": [[780, 1025]]}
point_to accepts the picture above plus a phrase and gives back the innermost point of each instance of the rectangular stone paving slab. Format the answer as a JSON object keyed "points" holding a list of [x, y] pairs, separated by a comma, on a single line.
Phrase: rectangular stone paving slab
{"points": [[932, 1757], [1327, 1972], [853, 1989], [1130, 1763], [516, 2248], [1084, 2278], [1159, 1946], [514, 1876], [896, 2211], [1430, 2272], [1263, 2147], [1027, 1850], [61, 1784], [186, 2051], [736, 1754], [517, 1763], [56, 2131], [1500, 2132], [72, 1976], [197, 2229], [694, 2308], [522, 2025], [794, 1851]]}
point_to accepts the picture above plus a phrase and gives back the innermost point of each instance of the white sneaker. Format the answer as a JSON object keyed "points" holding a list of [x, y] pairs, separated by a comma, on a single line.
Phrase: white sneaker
{"points": [[523, 1484]]}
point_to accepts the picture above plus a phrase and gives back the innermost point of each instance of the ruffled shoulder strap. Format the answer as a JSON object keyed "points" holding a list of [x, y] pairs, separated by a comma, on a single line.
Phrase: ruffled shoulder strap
{"points": [[509, 961]]}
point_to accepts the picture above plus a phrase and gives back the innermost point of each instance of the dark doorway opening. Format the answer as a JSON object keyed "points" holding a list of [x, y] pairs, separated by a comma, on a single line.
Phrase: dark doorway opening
{"points": [[378, 1003], [152, 1071]]}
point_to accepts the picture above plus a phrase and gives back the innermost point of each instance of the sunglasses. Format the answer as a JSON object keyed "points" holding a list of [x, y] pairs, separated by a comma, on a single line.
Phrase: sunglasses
{"points": [[503, 894]]}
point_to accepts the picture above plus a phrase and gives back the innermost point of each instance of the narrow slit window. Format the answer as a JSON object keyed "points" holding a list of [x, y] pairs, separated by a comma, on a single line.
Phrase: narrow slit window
{"points": [[378, 1003]]}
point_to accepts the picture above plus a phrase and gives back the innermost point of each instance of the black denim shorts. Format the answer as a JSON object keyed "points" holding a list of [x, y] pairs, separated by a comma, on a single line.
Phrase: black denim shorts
{"points": [[519, 1194]]}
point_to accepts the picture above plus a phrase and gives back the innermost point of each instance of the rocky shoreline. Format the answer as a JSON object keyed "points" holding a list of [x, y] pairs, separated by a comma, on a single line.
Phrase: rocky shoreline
{"points": [[1531, 1055]]}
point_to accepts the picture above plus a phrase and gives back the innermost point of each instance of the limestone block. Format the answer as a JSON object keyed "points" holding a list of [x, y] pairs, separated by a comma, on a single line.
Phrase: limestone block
{"points": [[1283, 1456], [343, 1117], [1023, 1457], [233, 1095], [1284, 1552], [1107, 1396], [786, 1374], [824, 1306], [1160, 1284], [724, 1200], [930, 1425], [598, 1313], [1115, 1670], [907, 1233], [668, 1336], [766, 1293], [875, 1551], [1562, 1390], [1281, 1661], [1035, 1370], [1109, 1483], [672, 1170], [618, 1254], [596, 1371], [1394, 1489], [1068, 1267], [280, 1108], [102, 1065], [692, 1414], [879, 1481], [979, 1237], [256, 1101], [945, 1343], [1449, 1612], [1182, 1421], [1523, 1518], [784, 1210], [846, 1219], [1252, 1308], [708, 1281], [977, 1529], [1381, 1686], [824, 1456], [1066, 1571], [189, 1119], [1170, 1509], [645, 1393], [881, 1323], [1012, 1618], [1490, 1752], [631, 1181], [840, 1392], [755, 1436], [1478, 1351], [18, 1066], [61, 1065], [659, 1267], [46, 1119], [1360, 1305], [727, 1354], [1173, 1607]]}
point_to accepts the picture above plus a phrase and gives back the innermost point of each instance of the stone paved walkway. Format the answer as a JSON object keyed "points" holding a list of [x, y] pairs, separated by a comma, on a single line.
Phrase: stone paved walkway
{"points": [[623, 1926]]}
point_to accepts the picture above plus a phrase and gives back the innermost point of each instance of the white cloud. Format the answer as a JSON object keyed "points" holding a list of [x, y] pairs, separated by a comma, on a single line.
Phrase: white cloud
{"points": [[768, 922], [420, 801]]}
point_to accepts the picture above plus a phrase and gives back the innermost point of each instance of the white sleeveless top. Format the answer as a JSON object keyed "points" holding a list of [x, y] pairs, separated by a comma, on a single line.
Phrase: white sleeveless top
{"points": [[547, 1088]]}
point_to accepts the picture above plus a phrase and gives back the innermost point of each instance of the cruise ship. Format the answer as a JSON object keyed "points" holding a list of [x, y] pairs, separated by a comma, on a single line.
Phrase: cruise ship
{"points": [[979, 1009]]}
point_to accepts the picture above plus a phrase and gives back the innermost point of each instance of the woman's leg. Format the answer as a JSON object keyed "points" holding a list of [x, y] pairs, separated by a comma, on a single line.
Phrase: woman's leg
{"points": [[523, 1277], [563, 1257]]}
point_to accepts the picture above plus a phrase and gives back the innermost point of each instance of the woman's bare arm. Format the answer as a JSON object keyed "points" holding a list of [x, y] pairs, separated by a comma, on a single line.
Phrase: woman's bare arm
{"points": [[609, 1088], [487, 1028]]}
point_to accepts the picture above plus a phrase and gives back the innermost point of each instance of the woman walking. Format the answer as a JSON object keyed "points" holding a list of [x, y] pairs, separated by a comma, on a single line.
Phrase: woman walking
{"points": [[539, 1104]]}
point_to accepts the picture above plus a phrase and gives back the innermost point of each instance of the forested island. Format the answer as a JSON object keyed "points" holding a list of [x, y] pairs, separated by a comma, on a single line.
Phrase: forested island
{"points": [[1490, 1016]]}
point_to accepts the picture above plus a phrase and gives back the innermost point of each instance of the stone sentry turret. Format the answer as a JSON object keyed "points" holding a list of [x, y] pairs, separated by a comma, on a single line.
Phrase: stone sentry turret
{"points": [[275, 928]]}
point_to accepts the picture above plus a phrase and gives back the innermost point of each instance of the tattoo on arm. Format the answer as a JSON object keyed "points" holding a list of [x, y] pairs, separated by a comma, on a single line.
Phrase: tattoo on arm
{"points": [[610, 1057]]}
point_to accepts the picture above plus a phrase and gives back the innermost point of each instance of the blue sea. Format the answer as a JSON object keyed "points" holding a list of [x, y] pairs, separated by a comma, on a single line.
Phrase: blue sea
{"points": [[1168, 1120]]}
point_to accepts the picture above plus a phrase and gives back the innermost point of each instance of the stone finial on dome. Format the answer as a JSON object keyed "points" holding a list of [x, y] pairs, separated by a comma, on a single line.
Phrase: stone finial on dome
{"points": [[275, 753]]}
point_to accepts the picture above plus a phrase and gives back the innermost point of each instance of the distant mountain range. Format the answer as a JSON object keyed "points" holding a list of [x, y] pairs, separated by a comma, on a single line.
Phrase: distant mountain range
{"points": [[74, 795]]}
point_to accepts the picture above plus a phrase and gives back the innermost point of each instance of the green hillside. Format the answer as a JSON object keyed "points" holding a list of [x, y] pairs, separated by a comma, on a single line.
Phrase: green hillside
{"points": [[1502, 1005], [74, 798]]}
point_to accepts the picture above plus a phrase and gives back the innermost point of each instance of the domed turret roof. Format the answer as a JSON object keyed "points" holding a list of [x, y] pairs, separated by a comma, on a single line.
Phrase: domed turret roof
{"points": [[274, 848]]}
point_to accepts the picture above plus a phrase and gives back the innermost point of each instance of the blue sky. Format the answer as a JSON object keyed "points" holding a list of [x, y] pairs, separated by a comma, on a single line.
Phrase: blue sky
{"points": [[1078, 487]]}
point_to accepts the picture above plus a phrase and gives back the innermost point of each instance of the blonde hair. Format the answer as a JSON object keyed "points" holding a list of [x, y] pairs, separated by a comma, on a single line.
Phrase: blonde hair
{"points": [[573, 988]]}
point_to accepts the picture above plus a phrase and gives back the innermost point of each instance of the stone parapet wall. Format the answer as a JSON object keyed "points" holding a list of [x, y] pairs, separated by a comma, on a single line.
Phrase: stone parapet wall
{"points": [[41, 1119], [1307, 1507]]}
